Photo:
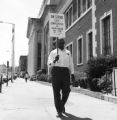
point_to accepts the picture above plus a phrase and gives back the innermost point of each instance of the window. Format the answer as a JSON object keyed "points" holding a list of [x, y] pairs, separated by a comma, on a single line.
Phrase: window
{"points": [[89, 3], [76, 10], [39, 56], [106, 36], [79, 51], [70, 48], [69, 17], [84, 5], [66, 20], [90, 45], [79, 8]]}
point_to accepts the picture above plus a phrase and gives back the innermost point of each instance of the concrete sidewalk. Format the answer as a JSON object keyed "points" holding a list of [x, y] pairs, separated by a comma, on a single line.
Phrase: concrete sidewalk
{"points": [[34, 101], [98, 95]]}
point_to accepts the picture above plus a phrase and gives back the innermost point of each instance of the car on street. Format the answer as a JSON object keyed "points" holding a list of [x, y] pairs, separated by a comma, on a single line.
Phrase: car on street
{"points": [[4, 78]]}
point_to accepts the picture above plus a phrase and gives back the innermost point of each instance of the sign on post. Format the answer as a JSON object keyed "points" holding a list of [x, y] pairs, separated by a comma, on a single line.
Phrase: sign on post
{"points": [[57, 25], [114, 82]]}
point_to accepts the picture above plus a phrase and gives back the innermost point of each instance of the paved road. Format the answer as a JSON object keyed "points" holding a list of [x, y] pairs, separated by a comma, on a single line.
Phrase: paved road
{"points": [[34, 101]]}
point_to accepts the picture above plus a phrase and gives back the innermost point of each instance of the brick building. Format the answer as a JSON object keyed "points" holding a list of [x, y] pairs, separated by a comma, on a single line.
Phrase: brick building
{"points": [[90, 29], [23, 64]]}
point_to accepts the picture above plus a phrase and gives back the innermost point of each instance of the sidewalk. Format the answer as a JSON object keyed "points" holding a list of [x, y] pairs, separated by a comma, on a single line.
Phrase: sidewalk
{"points": [[34, 101], [106, 97], [98, 95]]}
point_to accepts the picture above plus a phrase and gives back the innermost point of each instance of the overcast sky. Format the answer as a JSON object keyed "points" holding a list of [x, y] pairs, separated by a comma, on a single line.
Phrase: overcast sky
{"points": [[17, 12]]}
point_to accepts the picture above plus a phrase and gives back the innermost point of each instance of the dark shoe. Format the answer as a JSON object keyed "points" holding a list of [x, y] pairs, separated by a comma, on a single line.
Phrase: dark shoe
{"points": [[59, 114], [63, 110]]}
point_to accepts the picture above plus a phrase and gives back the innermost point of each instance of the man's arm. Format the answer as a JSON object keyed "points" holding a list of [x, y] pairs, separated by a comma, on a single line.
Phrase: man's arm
{"points": [[71, 65], [71, 69], [52, 60]]}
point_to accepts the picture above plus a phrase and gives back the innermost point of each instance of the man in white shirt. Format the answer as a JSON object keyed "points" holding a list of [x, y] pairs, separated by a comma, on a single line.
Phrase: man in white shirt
{"points": [[61, 64]]}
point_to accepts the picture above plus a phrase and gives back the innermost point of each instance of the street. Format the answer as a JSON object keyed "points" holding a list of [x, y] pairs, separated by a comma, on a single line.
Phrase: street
{"points": [[34, 101]]}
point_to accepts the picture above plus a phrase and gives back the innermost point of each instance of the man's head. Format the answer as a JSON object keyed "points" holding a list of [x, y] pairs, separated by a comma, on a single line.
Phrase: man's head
{"points": [[61, 43]]}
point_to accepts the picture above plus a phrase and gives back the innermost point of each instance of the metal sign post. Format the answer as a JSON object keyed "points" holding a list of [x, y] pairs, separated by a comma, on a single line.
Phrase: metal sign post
{"points": [[114, 82], [57, 26], [1, 83], [13, 47]]}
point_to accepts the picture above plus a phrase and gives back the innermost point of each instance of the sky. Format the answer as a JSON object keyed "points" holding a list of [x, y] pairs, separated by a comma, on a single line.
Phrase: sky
{"points": [[17, 12]]}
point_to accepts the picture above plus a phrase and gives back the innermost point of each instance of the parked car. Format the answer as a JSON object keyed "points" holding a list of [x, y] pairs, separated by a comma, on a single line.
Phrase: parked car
{"points": [[4, 78]]}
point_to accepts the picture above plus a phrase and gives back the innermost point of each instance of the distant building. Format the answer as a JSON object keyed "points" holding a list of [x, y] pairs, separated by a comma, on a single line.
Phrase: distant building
{"points": [[35, 45], [17, 69], [3, 69], [23, 63], [38, 35]]}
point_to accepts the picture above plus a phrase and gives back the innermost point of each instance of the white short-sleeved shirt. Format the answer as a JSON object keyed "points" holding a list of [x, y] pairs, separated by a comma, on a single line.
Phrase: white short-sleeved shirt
{"points": [[65, 59]]}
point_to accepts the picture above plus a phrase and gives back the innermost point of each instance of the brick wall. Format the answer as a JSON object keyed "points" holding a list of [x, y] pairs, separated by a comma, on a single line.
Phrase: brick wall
{"points": [[103, 6], [80, 28]]}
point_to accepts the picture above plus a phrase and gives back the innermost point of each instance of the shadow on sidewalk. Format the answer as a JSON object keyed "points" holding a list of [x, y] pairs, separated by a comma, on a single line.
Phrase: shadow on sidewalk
{"points": [[69, 116]]}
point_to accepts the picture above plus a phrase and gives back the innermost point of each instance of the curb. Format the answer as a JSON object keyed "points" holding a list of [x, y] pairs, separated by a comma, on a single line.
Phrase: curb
{"points": [[108, 98], [98, 95]]}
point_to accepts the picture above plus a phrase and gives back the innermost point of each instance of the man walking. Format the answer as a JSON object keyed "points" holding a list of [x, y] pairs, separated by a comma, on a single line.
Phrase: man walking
{"points": [[26, 76], [1, 77], [61, 64]]}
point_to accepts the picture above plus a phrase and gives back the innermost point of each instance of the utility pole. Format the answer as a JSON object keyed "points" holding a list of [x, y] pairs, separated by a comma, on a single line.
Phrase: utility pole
{"points": [[13, 48], [13, 51], [7, 72]]}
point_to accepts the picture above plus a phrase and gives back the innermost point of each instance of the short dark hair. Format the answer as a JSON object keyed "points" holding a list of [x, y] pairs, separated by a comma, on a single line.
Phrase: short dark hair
{"points": [[61, 40]]}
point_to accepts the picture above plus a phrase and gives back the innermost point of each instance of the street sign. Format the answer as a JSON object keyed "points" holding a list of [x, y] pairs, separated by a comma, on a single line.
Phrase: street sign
{"points": [[7, 64], [57, 25], [114, 81]]}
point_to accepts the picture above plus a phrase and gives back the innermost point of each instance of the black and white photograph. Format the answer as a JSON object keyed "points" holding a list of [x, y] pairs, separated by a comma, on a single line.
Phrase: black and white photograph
{"points": [[58, 59]]}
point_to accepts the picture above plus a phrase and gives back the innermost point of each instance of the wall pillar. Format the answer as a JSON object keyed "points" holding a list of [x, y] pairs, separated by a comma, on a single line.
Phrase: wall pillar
{"points": [[94, 28]]}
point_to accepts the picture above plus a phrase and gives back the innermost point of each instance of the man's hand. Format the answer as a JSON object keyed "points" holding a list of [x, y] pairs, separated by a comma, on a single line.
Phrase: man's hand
{"points": [[74, 82], [72, 78], [56, 59]]}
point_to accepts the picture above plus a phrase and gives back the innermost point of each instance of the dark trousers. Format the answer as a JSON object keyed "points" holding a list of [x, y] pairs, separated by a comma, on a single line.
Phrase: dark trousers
{"points": [[61, 86], [26, 79]]}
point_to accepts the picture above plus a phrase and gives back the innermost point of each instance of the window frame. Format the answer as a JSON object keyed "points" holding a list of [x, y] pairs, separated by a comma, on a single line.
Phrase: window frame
{"points": [[81, 6], [78, 9], [78, 18], [106, 14], [79, 38], [87, 43], [87, 4], [71, 43], [83, 11], [68, 12]]}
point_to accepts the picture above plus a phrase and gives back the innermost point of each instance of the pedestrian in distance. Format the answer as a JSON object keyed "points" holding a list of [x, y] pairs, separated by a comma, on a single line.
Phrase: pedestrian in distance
{"points": [[26, 76], [1, 77], [62, 69]]}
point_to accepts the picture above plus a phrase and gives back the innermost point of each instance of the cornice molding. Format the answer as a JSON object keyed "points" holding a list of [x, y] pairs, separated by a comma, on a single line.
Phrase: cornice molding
{"points": [[65, 6], [31, 22]]}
